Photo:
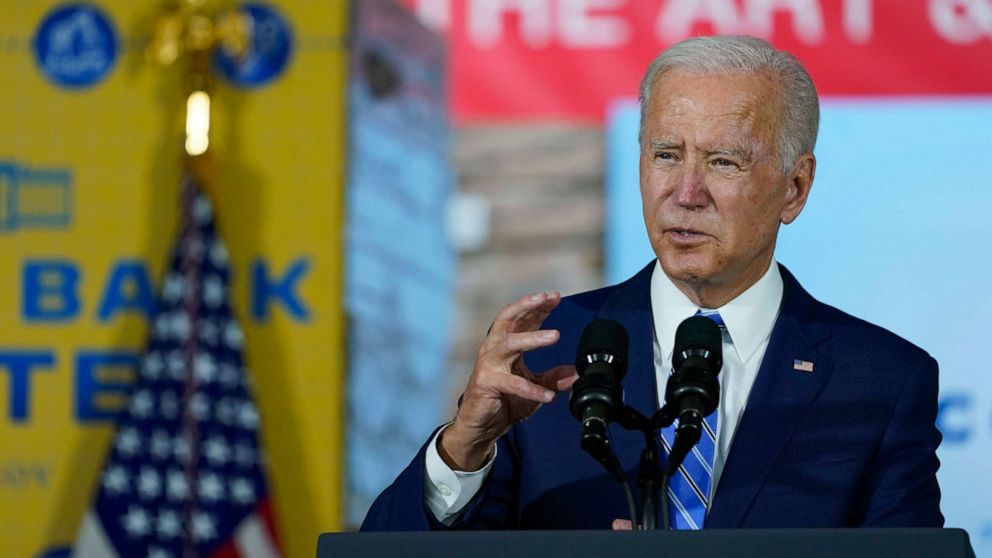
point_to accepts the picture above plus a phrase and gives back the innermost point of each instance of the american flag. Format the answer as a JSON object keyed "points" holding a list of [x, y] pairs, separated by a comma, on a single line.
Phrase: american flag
{"points": [[185, 475], [802, 365]]}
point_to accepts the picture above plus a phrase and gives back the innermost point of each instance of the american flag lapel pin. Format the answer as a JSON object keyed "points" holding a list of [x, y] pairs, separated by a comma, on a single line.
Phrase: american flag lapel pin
{"points": [[802, 365]]}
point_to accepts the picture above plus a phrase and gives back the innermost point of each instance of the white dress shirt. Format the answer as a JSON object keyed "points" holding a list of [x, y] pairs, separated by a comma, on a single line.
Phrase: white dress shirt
{"points": [[749, 319]]}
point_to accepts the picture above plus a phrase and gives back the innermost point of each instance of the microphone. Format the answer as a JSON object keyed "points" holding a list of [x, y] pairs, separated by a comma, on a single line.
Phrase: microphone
{"points": [[692, 389], [597, 398]]}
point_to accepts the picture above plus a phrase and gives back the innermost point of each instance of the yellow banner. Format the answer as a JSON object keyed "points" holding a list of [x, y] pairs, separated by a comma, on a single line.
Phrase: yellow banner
{"points": [[91, 135]]}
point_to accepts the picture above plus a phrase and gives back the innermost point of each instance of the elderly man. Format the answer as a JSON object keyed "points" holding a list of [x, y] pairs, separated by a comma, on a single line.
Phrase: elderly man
{"points": [[824, 420]]}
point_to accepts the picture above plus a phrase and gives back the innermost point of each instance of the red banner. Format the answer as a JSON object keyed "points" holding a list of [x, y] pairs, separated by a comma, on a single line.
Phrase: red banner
{"points": [[547, 59]]}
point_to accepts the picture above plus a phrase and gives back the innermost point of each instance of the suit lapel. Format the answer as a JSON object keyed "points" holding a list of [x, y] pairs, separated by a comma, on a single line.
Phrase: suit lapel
{"points": [[630, 304], [778, 401]]}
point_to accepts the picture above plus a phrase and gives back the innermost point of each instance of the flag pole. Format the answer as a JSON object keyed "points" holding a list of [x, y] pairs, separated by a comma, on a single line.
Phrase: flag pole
{"points": [[190, 32]]}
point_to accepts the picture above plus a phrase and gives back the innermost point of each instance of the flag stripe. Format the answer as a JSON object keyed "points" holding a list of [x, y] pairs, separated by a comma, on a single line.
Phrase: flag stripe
{"points": [[92, 541], [265, 511], [253, 539]]}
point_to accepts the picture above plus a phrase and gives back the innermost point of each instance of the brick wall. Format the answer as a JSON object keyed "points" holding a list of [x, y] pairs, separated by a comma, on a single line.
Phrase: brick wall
{"points": [[544, 183]]}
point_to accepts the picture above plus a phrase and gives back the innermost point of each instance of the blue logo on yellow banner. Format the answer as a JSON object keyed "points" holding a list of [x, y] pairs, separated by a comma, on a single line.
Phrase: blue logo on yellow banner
{"points": [[37, 198], [268, 51], [75, 45]]}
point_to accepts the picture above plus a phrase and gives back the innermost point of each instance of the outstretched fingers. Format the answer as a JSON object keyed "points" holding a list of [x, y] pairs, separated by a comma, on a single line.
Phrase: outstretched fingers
{"points": [[532, 319], [559, 378], [519, 386], [525, 313], [514, 344]]}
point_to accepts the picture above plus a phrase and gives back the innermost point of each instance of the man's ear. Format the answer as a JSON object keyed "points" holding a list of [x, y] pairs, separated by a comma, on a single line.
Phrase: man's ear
{"points": [[800, 184]]}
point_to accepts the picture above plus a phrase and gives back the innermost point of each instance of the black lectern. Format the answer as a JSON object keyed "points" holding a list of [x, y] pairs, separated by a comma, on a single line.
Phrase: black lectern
{"points": [[728, 543]]}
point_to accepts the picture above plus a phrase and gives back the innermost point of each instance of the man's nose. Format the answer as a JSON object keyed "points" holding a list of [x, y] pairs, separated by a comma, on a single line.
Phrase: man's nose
{"points": [[690, 190]]}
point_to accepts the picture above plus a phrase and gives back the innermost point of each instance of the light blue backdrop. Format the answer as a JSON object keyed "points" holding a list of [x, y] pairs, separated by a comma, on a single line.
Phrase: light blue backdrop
{"points": [[400, 266], [898, 230]]}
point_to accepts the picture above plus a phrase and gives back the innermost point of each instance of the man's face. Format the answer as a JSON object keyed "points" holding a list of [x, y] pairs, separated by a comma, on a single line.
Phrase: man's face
{"points": [[711, 184]]}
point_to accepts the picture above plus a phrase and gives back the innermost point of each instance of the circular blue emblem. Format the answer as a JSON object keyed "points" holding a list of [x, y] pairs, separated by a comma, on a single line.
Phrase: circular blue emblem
{"points": [[75, 45], [268, 49]]}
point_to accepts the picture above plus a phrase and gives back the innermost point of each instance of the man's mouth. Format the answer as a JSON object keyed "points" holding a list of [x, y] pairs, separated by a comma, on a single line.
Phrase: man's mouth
{"points": [[685, 232]]}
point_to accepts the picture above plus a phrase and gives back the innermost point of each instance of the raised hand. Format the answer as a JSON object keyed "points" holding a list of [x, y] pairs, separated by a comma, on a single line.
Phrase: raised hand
{"points": [[502, 391]]}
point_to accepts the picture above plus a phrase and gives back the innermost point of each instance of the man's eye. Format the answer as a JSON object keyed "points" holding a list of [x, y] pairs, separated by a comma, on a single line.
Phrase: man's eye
{"points": [[724, 163], [665, 156]]}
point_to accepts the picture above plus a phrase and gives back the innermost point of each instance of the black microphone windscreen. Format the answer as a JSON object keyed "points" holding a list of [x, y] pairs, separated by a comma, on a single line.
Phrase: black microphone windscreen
{"points": [[603, 337], [696, 333]]}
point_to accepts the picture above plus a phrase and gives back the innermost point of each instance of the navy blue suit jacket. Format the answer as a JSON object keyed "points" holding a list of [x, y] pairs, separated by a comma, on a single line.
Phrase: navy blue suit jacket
{"points": [[852, 443]]}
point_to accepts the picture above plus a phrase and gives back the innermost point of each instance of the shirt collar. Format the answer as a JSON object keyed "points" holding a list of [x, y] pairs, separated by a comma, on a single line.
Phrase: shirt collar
{"points": [[749, 317]]}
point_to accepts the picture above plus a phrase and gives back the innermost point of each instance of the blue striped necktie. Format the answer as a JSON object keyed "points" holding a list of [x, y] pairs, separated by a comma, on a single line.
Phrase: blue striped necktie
{"points": [[689, 487]]}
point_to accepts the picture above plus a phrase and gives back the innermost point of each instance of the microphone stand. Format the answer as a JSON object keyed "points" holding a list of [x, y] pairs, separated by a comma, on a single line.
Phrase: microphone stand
{"points": [[650, 477], [631, 419]]}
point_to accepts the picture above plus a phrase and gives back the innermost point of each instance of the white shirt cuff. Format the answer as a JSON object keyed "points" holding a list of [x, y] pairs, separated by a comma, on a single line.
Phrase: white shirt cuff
{"points": [[448, 491]]}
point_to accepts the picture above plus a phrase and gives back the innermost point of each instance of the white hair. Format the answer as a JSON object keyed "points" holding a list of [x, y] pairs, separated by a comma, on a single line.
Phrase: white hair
{"points": [[732, 53]]}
